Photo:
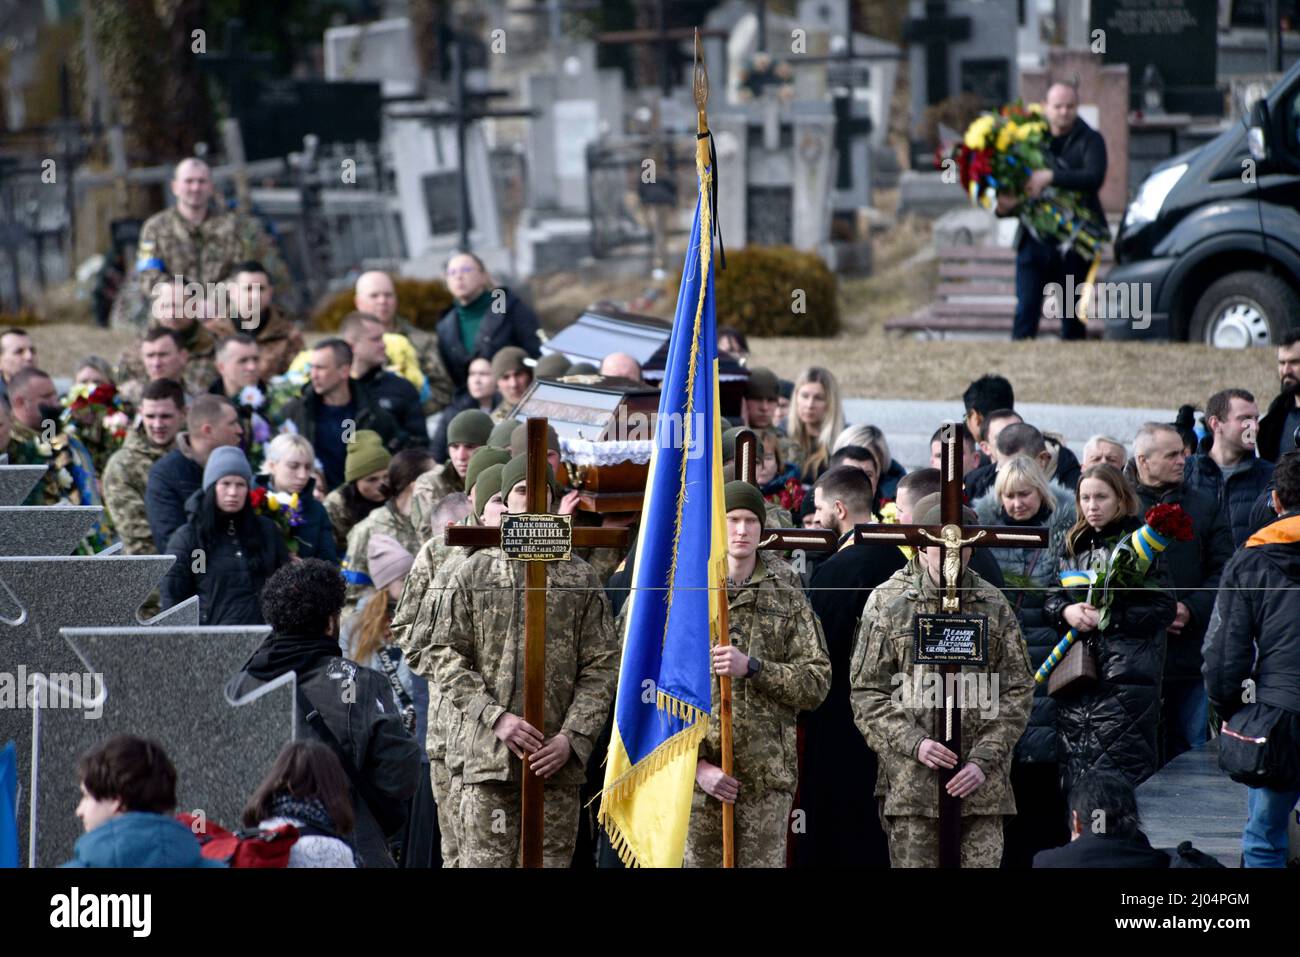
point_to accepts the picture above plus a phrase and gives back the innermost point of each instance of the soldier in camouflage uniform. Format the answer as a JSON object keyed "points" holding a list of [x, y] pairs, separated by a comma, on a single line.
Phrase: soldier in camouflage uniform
{"points": [[478, 643], [278, 337], [778, 662], [412, 629], [762, 395], [906, 733], [162, 415], [376, 295], [467, 432], [392, 518], [196, 240], [199, 344], [513, 376]]}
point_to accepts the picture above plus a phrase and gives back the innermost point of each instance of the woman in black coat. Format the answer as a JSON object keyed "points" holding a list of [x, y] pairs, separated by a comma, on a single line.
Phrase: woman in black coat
{"points": [[1111, 726], [225, 551], [288, 468]]}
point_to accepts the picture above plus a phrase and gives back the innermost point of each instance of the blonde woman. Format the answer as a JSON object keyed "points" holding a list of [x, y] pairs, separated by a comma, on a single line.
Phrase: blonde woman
{"points": [[288, 468], [816, 418], [871, 437]]}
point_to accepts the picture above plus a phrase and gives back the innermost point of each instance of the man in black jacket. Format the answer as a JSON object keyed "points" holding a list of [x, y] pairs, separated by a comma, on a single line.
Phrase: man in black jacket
{"points": [[390, 391], [482, 320], [1252, 659], [1194, 569], [1077, 162], [347, 706], [1279, 430], [1229, 470], [838, 771], [211, 422], [1105, 829], [334, 407]]}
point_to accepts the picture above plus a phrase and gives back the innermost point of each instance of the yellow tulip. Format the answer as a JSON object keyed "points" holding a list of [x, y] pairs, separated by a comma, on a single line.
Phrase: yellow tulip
{"points": [[293, 501], [272, 503]]}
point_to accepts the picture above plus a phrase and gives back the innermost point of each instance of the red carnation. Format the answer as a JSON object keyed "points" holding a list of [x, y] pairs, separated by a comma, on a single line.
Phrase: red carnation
{"points": [[792, 496], [1171, 522], [103, 394], [257, 497]]}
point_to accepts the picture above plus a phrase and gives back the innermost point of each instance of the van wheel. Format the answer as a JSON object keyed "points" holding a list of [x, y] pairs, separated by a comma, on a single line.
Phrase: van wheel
{"points": [[1244, 309]]}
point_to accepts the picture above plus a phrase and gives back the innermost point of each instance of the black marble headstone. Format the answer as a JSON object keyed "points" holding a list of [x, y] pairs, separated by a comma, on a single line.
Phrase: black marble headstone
{"points": [[1178, 37]]}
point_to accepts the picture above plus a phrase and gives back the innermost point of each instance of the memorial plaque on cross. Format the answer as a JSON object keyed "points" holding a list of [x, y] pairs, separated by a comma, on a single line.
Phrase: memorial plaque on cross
{"points": [[951, 639], [535, 539]]}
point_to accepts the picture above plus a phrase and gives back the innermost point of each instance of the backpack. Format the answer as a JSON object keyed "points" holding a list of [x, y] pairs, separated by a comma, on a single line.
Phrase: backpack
{"points": [[247, 847]]}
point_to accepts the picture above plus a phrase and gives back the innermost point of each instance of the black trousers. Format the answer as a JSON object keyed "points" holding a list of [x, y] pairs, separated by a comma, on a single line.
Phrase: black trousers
{"points": [[1041, 810], [1037, 266]]}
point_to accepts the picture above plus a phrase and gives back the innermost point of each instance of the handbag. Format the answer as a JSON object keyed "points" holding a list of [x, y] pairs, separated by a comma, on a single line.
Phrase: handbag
{"points": [[1076, 673], [1254, 748]]}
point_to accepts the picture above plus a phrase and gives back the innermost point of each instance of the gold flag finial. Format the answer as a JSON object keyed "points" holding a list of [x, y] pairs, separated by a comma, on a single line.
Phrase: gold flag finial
{"points": [[700, 84]]}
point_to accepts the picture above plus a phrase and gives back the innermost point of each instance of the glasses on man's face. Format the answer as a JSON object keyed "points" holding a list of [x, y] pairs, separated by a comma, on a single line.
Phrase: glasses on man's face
{"points": [[463, 271]]}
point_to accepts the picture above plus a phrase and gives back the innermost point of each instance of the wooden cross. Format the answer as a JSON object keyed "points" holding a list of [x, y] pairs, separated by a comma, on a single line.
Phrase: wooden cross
{"points": [[952, 536], [779, 539], [534, 621]]}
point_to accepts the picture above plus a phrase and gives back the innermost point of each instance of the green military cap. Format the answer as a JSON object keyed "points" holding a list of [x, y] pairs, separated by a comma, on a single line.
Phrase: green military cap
{"points": [[366, 454], [501, 432], [481, 459], [762, 384], [508, 359], [488, 484], [929, 511], [743, 495], [519, 439], [516, 471], [552, 365], [470, 427], [583, 368]]}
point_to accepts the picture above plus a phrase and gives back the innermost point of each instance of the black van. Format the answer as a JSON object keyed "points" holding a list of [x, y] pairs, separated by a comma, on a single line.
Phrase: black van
{"points": [[1220, 247]]}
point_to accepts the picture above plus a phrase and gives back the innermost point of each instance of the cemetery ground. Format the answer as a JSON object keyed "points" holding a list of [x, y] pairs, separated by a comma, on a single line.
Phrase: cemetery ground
{"points": [[870, 363]]}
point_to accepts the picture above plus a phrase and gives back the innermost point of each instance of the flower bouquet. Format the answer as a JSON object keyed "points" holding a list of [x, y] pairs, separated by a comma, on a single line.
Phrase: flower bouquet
{"points": [[98, 416], [281, 390], [1126, 568], [283, 509], [998, 154]]}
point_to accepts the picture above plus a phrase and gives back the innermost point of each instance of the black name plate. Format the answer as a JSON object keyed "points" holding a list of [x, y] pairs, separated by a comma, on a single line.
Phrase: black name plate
{"points": [[537, 538], [950, 639]]}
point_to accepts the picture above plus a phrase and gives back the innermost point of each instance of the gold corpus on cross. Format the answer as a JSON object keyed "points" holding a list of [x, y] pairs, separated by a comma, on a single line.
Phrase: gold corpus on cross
{"points": [[951, 541]]}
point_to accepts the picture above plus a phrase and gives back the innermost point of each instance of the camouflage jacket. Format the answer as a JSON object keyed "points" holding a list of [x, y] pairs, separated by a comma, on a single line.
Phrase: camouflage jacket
{"points": [[385, 520], [770, 620], [278, 339], [503, 411], [170, 245], [439, 387], [478, 659], [412, 630], [430, 489], [896, 705], [200, 369], [340, 519], [125, 477], [778, 517]]}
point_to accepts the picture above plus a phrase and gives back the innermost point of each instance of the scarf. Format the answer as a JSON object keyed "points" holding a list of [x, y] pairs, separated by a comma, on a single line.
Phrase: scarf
{"points": [[309, 810], [281, 653]]}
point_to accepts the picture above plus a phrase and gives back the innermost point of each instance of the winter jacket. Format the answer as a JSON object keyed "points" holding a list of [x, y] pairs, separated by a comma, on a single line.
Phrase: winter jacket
{"points": [[229, 594], [463, 401], [139, 839], [1078, 163], [1194, 568], [315, 535], [1105, 850], [1064, 468], [125, 479], [304, 412], [1237, 496], [358, 709], [1269, 438], [396, 396], [172, 480], [515, 325], [887, 488], [1029, 575], [1112, 726], [413, 686]]}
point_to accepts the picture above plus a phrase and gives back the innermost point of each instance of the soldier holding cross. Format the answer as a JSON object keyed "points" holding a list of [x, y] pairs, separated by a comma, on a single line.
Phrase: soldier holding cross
{"points": [[898, 705]]}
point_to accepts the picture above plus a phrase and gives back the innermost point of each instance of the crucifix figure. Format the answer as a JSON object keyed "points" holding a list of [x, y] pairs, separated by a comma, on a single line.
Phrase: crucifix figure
{"points": [[536, 538], [952, 638]]}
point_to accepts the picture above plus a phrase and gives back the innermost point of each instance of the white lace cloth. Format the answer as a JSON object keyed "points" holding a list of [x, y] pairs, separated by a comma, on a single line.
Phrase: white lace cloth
{"points": [[585, 452]]}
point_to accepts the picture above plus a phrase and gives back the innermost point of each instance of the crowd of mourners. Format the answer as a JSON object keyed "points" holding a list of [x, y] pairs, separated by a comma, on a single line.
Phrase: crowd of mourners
{"points": [[296, 487]]}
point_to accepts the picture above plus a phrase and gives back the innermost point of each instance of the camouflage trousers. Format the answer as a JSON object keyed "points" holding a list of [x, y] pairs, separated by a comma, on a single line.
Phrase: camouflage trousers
{"points": [[490, 825], [914, 840], [446, 795], [762, 826]]}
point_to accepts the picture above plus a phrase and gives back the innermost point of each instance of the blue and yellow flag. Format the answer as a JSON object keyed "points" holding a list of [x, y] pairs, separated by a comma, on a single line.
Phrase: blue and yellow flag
{"points": [[663, 705]]}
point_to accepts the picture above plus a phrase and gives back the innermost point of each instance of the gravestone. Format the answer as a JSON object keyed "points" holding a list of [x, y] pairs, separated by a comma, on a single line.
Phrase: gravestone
{"points": [[1178, 38], [1103, 105], [381, 51], [58, 529], [17, 482], [168, 684], [40, 595]]}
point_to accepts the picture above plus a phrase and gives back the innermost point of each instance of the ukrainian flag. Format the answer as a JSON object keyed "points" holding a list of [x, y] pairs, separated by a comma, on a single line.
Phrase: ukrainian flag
{"points": [[662, 710]]}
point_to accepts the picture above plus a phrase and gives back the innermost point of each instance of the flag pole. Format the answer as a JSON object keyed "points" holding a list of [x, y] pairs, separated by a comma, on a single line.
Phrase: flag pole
{"points": [[700, 83]]}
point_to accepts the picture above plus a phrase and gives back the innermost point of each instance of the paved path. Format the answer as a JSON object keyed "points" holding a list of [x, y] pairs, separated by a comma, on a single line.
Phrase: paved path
{"points": [[909, 425]]}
